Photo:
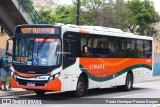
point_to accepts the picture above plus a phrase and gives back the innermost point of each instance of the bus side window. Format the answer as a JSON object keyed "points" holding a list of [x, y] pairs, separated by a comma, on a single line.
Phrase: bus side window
{"points": [[98, 46], [140, 49], [86, 47], [131, 48], [147, 49], [122, 48]]}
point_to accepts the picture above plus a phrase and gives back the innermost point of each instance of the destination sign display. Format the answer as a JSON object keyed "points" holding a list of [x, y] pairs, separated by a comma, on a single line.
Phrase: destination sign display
{"points": [[37, 30]]}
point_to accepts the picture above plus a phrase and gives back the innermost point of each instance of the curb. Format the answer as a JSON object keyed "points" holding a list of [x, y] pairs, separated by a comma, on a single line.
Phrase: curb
{"points": [[152, 80], [13, 92]]}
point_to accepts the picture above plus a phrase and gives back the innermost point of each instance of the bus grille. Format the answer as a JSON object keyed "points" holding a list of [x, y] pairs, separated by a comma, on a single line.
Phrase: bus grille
{"points": [[37, 83]]}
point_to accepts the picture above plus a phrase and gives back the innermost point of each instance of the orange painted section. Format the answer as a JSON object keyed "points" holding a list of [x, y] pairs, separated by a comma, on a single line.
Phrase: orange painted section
{"points": [[84, 31], [54, 85], [27, 75], [102, 67], [46, 40]]}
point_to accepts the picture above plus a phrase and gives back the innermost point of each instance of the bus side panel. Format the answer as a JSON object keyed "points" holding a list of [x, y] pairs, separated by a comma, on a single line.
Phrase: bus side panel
{"points": [[117, 81], [70, 76], [112, 71], [142, 74]]}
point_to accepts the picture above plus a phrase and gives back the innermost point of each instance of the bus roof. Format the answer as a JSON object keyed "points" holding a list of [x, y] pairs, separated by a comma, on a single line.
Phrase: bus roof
{"points": [[93, 30], [103, 31]]}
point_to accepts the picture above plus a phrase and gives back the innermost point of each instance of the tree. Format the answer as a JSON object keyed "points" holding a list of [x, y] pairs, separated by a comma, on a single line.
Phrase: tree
{"points": [[109, 13], [136, 15], [60, 14], [65, 14], [121, 15], [47, 16], [143, 16], [99, 12]]}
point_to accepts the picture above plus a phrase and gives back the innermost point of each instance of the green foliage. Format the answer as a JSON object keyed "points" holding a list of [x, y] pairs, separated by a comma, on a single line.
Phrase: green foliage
{"points": [[121, 15], [136, 15], [47, 15], [64, 14], [61, 14], [143, 15], [109, 13], [97, 12]]}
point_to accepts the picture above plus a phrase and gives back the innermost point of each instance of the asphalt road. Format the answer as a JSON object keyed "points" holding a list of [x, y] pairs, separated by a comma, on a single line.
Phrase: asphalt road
{"points": [[97, 97]]}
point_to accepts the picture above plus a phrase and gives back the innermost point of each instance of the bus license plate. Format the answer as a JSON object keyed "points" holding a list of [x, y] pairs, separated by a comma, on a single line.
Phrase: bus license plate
{"points": [[30, 84]]}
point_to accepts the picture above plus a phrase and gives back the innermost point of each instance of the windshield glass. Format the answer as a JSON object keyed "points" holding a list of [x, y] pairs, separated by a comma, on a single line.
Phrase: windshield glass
{"points": [[37, 51]]}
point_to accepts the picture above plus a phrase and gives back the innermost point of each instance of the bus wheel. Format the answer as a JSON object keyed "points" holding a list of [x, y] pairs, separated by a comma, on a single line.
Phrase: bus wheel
{"points": [[128, 84], [81, 87], [40, 93]]}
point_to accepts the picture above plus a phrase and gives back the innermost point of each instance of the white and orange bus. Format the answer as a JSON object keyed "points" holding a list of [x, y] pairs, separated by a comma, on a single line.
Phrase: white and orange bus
{"points": [[77, 58]]}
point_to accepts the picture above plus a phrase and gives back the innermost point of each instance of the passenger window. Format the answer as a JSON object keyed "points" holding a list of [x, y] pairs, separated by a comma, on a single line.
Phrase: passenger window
{"points": [[122, 47], [86, 47], [147, 49], [98, 47], [131, 49], [140, 49], [110, 47]]}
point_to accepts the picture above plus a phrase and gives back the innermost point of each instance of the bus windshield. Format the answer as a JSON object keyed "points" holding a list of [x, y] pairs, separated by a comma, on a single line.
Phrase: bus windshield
{"points": [[37, 51]]}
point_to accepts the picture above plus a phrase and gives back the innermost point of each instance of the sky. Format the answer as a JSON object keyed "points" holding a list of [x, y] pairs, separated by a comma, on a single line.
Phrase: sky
{"points": [[156, 4]]}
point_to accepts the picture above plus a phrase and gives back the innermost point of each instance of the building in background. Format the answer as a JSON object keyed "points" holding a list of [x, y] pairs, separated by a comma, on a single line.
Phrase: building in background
{"points": [[3, 40], [157, 39], [40, 4]]}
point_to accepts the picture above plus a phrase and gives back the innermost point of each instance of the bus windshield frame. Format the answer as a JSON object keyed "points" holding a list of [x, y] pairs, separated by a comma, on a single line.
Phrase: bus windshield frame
{"points": [[38, 48]]}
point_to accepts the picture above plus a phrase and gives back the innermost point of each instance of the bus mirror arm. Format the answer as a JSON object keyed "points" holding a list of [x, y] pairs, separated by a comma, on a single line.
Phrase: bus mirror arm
{"points": [[7, 45]]}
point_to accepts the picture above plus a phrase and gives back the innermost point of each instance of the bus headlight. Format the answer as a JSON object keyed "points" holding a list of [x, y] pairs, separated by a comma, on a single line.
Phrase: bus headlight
{"points": [[56, 75], [51, 78]]}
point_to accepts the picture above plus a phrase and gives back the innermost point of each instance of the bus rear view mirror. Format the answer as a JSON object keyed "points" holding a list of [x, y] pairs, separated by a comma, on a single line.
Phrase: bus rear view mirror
{"points": [[7, 46]]}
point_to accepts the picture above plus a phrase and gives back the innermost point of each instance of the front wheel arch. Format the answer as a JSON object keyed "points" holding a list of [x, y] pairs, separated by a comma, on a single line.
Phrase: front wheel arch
{"points": [[82, 85]]}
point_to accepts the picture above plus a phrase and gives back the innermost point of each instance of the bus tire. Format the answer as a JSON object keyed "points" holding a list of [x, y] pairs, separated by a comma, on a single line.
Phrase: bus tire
{"points": [[40, 92], [81, 88], [128, 83]]}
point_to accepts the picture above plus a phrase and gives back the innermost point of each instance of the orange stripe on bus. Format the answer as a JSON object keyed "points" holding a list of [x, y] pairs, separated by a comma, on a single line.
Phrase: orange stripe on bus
{"points": [[28, 75], [84, 31], [113, 64]]}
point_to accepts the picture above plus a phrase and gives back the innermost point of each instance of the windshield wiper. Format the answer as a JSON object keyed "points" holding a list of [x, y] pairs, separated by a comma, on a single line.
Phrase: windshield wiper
{"points": [[40, 46]]}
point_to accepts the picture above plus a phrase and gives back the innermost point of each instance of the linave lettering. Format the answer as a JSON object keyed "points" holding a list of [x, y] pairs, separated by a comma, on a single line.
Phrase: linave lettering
{"points": [[97, 66]]}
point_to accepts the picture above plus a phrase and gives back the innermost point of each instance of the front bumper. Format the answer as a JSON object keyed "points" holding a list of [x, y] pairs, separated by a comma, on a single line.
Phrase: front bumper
{"points": [[54, 85]]}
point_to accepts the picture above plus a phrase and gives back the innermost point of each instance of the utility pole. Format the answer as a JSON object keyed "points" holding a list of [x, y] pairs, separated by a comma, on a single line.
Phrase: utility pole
{"points": [[78, 13]]}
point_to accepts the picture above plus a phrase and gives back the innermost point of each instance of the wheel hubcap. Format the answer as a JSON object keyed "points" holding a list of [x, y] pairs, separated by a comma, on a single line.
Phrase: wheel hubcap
{"points": [[129, 83], [80, 87]]}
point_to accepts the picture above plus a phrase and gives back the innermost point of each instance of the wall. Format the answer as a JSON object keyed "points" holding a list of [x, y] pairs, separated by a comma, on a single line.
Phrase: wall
{"points": [[156, 68], [3, 39]]}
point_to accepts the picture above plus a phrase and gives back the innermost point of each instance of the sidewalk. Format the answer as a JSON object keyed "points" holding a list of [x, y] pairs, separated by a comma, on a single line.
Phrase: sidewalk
{"points": [[155, 78], [14, 91], [18, 91]]}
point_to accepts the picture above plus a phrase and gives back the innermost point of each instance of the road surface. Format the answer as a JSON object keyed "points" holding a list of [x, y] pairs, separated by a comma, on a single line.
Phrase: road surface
{"points": [[97, 97]]}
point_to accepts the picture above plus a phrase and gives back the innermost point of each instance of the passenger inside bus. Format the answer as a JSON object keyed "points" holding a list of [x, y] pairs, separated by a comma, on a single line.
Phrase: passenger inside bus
{"points": [[85, 52], [30, 56]]}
